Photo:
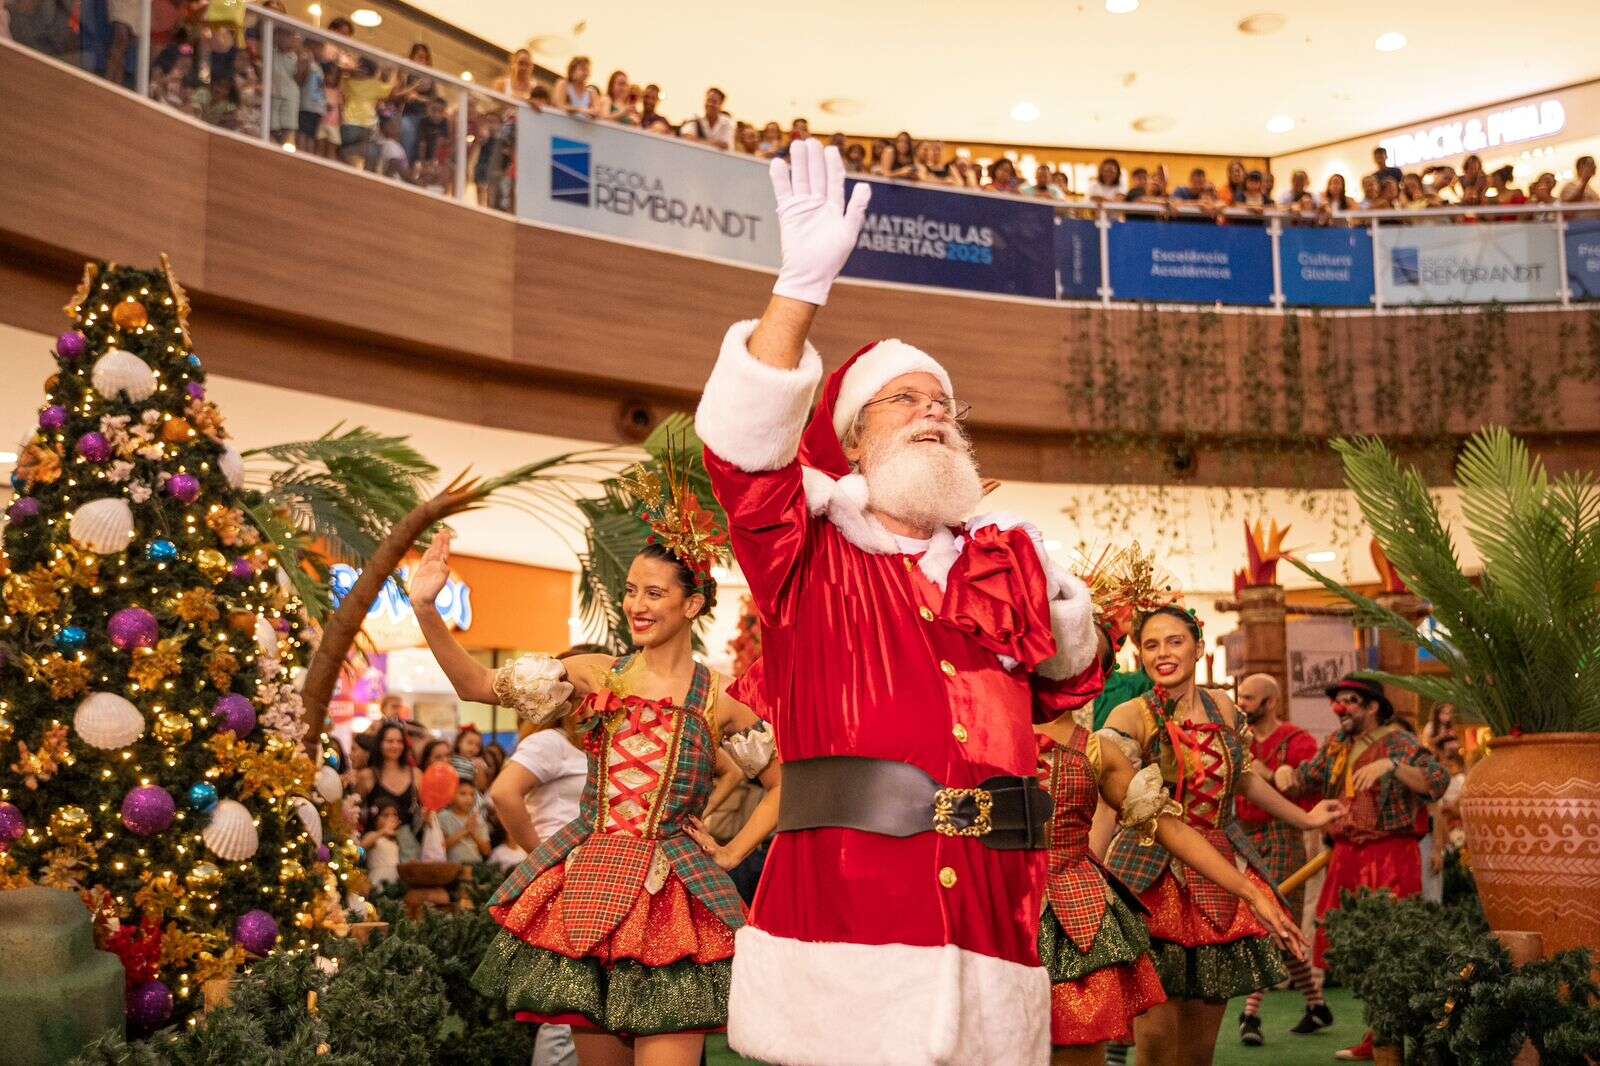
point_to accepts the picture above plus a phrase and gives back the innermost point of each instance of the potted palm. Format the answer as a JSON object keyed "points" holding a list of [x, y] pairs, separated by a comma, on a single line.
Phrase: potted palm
{"points": [[1521, 644]]}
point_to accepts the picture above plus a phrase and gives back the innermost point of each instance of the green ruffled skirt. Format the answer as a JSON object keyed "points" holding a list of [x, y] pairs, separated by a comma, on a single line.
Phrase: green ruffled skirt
{"points": [[1122, 939], [1220, 971], [625, 997]]}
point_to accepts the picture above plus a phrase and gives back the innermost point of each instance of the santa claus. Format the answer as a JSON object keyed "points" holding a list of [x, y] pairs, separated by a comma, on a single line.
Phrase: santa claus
{"points": [[909, 648]]}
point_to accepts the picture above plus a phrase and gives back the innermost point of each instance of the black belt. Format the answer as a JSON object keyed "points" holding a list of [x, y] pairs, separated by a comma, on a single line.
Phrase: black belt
{"points": [[899, 800]]}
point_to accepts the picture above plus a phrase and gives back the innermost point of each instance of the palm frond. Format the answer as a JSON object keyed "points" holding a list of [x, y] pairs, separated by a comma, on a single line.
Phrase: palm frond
{"points": [[1524, 641]]}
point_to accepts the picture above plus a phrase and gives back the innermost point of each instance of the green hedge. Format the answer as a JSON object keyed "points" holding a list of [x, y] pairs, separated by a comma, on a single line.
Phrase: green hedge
{"points": [[1433, 978], [405, 998]]}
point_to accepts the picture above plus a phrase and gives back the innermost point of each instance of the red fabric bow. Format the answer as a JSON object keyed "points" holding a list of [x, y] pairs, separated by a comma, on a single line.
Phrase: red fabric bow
{"points": [[998, 595]]}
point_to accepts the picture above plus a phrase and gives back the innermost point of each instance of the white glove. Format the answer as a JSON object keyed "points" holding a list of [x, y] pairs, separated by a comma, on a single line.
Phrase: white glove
{"points": [[817, 230]]}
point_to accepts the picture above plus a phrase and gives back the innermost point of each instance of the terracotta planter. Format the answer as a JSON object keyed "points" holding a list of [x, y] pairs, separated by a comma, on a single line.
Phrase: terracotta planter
{"points": [[1532, 817], [1388, 1055]]}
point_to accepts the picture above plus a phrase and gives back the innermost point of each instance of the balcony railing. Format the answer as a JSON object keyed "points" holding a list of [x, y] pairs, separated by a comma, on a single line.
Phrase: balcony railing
{"points": [[278, 79]]}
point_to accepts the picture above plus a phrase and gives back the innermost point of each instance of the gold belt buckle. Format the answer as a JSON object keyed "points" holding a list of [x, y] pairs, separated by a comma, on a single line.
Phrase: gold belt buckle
{"points": [[944, 809]]}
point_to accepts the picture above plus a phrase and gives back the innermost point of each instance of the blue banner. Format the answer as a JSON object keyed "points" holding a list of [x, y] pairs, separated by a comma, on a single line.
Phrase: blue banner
{"points": [[1078, 259], [1583, 258], [1177, 263], [978, 243], [1326, 267]]}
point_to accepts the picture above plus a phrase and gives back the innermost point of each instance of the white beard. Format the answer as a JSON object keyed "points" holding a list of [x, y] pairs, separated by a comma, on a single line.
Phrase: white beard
{"points": [[924, 484]]}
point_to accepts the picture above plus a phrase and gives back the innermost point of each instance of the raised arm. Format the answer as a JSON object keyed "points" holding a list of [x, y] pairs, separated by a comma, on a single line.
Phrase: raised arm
{"points": [[470, 678]]}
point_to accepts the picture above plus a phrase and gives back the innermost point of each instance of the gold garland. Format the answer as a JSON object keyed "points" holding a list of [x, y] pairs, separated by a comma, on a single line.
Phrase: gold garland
{"points": [[151, 666]]}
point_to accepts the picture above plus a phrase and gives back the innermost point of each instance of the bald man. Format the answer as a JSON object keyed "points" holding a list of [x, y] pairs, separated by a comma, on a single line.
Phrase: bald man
{"points": [[1282, 847]]}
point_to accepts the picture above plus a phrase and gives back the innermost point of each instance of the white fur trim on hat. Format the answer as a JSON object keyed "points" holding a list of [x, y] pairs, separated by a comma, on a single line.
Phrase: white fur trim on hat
{"points": [[806, 1003], [752, 413], [878, 366]]}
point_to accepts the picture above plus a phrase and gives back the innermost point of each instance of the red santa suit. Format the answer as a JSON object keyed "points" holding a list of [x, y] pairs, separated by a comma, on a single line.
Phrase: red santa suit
{"points": [[866, 948]]}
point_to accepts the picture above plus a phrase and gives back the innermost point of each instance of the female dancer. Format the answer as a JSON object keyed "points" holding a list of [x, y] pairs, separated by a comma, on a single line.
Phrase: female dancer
{"points": [[621, 925], [1091, 937], [1207, 948]]}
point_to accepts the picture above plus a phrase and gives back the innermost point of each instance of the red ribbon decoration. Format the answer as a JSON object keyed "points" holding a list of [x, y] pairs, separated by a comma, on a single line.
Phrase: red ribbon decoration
{"points": [[996, 593]]}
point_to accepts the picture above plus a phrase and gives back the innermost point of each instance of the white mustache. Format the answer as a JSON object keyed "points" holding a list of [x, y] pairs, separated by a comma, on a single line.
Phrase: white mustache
{"points": [[947, 433]]}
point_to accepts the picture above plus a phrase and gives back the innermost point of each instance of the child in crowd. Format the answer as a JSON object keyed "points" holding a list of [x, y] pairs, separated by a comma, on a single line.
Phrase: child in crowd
{"points": [[384, 844], [389, 154], [288, 68], [467, 757], [313, 99], [505, 854], [362, 91], [466, 840]]}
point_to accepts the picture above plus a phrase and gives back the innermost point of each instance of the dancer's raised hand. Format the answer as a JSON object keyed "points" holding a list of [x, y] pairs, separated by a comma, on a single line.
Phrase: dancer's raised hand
{"points": [[817, 228], [428, 580]]}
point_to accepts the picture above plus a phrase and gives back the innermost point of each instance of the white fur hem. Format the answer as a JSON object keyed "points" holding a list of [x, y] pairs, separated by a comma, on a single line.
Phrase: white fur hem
{"points": [[753, 414], [800, 1003], [1072, 621]]}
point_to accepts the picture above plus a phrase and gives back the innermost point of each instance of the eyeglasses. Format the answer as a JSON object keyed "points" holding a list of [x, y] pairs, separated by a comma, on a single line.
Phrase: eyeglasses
{"points": [[912, 400], [1348, 699]]}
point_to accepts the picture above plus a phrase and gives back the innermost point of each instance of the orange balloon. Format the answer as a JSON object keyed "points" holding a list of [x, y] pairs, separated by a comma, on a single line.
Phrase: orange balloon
{"points": [[439, 784]]}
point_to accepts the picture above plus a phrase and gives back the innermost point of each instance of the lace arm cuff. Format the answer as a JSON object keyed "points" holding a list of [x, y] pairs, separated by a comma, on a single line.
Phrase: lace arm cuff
{"points": [[1147, 800], [1124, 743], [535, 686], [751, 749]]}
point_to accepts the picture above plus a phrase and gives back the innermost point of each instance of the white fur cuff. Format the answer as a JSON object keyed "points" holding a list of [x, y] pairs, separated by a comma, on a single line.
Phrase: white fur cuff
{"points": [[535, 686], [1072, 621], [753, 414], [751, 750]]}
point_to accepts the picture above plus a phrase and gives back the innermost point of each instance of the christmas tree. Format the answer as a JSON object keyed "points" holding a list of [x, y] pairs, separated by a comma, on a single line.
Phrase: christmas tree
{"points": [[153, 756]]}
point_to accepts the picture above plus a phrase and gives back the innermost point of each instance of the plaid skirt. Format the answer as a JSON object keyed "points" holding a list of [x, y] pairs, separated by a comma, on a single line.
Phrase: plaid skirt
{"points": [[1195, 959], [665, 967]]}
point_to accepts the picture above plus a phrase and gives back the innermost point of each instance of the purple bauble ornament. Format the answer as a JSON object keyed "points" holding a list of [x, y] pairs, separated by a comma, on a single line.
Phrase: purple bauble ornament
{"points": [[133, 627], [23, 508], [324, 853], [195, 390], [185, 487], [94, 447], [71, 345], [11, 825], [256, 932], [242, 570], [147, 810], [149, 1005], [53, 417], [234, 715]]}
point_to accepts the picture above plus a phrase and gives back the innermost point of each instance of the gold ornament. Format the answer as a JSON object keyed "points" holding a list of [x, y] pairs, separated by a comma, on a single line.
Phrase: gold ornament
{"points": [[35, 592], [195, 605], [39, 465], [74, 307], [67, 677], [51, 382], [180, 299], [76, 567], [173, 728], [212, 967], [204, 878], [212, 563], [159, 894], [290, 870], [151, 666], [176, 431], [8, 729], [130, 314], [205, 417], [69, 823], [65, 866], [221, 665]]}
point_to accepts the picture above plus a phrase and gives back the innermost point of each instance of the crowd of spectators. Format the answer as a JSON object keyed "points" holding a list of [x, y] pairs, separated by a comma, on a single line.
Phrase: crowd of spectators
{"points": [[332, 101]]}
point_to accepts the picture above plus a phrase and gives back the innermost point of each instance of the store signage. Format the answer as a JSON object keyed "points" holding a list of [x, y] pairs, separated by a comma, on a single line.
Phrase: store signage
{"points": [[1511, 125], [655, 190], [1507, 262], [390, 622]]}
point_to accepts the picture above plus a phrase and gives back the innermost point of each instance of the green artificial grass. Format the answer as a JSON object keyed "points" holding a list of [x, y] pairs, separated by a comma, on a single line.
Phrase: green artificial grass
{"points": [[1278, 1013]]}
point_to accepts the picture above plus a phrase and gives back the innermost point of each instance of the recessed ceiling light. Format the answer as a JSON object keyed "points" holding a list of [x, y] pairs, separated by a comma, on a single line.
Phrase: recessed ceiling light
{"points": [[1322, 557], [1154, 123], [842, 105], [8, 457], [466, 75], [1280, 124], [314, 10], [1261, 25], [1025, 111], [1390, 42], [366, 18], [1122, 7], [550, 44], [288, 146]]}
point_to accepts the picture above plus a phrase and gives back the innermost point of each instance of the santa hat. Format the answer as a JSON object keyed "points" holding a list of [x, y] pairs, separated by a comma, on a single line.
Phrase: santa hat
{"points": [[873, 367]]}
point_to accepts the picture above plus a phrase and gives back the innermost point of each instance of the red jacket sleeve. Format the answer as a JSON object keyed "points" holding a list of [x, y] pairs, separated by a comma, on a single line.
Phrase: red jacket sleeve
{"points": [[769, 525]]}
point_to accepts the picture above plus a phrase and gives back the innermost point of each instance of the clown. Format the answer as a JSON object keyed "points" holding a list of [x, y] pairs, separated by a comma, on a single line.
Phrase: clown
{"points": [[908, 648]]}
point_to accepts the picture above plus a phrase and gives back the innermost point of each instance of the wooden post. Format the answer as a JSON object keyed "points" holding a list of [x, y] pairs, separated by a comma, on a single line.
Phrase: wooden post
{"points": [[1395, 656], [1264, 620]]}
